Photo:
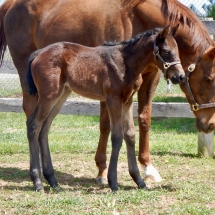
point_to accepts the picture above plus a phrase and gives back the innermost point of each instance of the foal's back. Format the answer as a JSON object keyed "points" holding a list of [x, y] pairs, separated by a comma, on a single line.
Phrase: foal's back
{"points": [[90, 72]]}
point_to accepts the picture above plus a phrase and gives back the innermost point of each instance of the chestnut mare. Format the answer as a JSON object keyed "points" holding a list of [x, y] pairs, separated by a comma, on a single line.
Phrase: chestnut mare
{"points": [[26, 26], [111, 73]]}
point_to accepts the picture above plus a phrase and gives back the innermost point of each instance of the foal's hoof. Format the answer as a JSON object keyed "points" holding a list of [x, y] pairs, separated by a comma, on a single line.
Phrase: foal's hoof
{"points": [[114, 187], [56, 189], [39, 189], [101, 181], [142, 186]]}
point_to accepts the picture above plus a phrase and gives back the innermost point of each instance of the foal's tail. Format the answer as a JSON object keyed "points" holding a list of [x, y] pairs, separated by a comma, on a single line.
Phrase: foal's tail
{"points": [[30, 80], [3, 43]]}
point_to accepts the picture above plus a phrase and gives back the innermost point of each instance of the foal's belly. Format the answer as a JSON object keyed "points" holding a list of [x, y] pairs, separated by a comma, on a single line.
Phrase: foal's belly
{"points": [[90, 91]]}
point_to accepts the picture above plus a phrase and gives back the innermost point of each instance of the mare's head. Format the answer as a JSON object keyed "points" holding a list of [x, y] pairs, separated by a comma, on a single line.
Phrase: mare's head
{"points": [[197, 53], [200, 90], [167, 55]]}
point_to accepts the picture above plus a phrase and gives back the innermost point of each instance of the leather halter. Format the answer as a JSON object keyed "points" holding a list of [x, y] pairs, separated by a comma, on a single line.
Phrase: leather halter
{"points": [[166, 65], [195, 106]]}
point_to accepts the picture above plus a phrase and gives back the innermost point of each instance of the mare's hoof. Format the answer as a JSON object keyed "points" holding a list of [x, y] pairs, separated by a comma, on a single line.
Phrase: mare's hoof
{"points": [[151, 174], [101, 181]]}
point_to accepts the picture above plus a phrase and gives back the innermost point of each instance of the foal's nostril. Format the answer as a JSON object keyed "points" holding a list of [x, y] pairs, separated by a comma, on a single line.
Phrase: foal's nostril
{"points": [[181, 78], [177, 79]]}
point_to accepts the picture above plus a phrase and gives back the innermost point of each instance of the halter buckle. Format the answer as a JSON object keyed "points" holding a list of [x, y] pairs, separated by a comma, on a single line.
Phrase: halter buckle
{"points": [[191, 67], [195, 107], [166, 65]]}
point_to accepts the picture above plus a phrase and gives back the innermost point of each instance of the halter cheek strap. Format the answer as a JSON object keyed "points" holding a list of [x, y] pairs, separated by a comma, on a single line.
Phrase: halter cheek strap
{"points": [[194, 105], [166, 65]]}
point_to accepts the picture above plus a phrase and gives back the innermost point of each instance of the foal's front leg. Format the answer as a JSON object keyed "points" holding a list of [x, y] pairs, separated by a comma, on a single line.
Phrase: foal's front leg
{"points": [[129, 137], [114, 106]]}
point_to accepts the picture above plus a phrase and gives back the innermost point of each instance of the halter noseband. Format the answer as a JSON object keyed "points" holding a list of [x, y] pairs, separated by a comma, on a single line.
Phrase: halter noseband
{"points": [[195, 106], [166, 65]]}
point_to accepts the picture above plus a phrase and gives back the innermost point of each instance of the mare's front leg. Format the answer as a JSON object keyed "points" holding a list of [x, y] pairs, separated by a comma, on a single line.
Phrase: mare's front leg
{"points": [[48, 170], [129, 137], [145, 94], [100, 157], [114, 106]]}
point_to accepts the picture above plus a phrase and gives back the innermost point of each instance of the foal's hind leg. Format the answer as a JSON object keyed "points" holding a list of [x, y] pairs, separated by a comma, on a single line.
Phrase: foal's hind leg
{"points": [[34, 125], [100, 157], [48, 170], [129, 137]]}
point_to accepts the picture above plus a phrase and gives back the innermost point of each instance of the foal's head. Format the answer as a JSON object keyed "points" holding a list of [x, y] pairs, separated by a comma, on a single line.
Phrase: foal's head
{"points": [[166, 49]]}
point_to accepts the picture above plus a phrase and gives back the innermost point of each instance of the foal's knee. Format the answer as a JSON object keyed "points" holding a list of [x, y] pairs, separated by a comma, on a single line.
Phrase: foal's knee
{"points": [[129, 136]]}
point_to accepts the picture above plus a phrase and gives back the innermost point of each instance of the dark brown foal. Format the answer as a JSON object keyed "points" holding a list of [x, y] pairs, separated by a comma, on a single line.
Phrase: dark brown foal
{"points": [[110, 73]]}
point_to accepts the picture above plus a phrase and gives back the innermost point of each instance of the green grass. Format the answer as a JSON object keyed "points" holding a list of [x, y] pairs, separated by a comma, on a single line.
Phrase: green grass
{"points": [[188, 185]]}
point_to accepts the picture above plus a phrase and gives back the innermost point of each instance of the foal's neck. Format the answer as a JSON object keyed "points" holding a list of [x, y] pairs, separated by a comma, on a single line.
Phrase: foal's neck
{"points": [[140, 56]]}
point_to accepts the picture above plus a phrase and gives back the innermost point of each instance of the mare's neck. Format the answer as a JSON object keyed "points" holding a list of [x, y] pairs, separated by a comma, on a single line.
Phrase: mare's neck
{"points": [[189, 52]]}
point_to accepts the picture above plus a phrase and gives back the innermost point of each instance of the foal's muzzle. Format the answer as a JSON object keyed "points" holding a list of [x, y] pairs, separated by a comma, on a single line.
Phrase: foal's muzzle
{"points": [[178, 79]]}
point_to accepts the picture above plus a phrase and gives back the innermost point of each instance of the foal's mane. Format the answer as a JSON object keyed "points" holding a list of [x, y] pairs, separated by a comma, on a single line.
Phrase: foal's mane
{"points": [[133, 40]]}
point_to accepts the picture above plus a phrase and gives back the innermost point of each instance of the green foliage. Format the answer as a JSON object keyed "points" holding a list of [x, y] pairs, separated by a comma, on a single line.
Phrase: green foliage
{"points": [[210, 9]]}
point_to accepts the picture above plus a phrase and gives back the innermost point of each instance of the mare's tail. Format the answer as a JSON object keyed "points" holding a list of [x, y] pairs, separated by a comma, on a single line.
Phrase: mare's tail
{"points": [[30, 80], [3, 43]]}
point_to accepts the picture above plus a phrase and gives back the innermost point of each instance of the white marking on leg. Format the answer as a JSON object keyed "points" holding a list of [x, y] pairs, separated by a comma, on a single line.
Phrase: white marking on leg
{"points": [[151, 174]]}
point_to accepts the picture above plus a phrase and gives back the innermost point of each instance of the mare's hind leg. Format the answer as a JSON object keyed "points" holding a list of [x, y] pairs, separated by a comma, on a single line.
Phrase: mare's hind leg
{"points": [[145, 94], [100, 157], [48, 170], [34, 125], [129, 137]]}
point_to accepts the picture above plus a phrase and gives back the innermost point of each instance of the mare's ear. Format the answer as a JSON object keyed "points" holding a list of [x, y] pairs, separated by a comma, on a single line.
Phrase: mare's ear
{"points": [[175, 29], [211, 52], [166, 31]]}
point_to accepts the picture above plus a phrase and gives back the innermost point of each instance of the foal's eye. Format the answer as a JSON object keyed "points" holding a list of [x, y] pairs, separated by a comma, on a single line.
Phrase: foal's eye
{"points": [[207, 79], [166, 53]]}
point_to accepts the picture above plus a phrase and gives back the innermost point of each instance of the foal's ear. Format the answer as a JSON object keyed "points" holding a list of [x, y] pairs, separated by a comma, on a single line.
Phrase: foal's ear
{"points": [[166, 31], [211, 52], [175, 29]]}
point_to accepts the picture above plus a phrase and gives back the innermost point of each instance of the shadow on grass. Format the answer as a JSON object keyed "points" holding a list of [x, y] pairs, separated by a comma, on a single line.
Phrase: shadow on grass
{"points": [[164, 187], [18, 178], [182, 154], [15, 179]]}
